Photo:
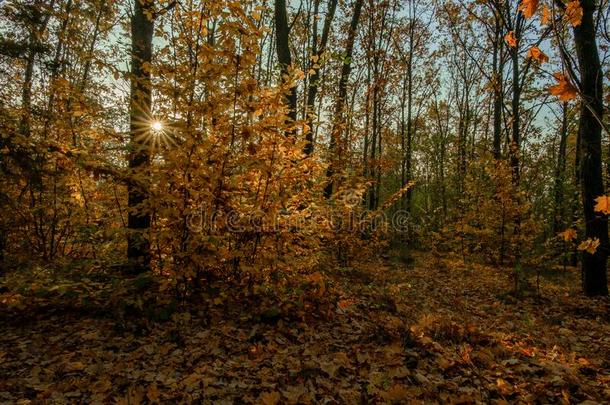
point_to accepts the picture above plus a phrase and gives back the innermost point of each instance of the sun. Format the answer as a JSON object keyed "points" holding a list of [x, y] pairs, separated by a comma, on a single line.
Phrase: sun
{"points": [[157, 126]]}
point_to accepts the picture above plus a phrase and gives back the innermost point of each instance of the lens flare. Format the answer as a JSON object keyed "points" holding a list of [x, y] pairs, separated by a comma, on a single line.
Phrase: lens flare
{"points": [[157, 126]]}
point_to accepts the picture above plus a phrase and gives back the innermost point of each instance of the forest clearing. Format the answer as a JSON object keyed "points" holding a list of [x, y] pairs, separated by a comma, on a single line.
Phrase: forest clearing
{"points": [[304, 201]]}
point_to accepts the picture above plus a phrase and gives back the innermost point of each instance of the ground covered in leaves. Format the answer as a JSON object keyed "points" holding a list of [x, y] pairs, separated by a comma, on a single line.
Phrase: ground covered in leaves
{"points": [[426, 330]]}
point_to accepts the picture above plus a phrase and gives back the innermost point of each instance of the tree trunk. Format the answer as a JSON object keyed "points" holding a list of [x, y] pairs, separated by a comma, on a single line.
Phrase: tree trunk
{"points": [[594, 273], [498, 94], [314, 78], [282, 32], [560, 172], [516, 116], [409, 73], [339, 119], [142, 25]]}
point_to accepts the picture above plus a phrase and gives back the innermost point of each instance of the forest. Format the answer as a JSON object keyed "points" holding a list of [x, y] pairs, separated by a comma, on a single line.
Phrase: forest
{"points": [[304, 201]]}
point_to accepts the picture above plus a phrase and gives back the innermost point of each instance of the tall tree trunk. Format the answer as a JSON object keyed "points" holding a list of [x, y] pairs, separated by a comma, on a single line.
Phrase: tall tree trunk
{"points": [[576, 196], [142, 26], [375, 129], [409, 73], [498, 94], [314, 78], [282, 32], [594, 273], [560, 172], [403, 137], [34, 49], [339, 118], [516, 114]]}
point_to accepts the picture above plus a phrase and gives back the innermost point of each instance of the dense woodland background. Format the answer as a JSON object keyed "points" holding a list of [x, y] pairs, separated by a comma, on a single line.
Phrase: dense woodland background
{"points": [[170, 154]]}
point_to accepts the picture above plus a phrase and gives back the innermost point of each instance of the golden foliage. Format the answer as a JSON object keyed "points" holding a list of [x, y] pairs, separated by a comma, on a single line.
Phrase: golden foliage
{"points": [[589, 245]]}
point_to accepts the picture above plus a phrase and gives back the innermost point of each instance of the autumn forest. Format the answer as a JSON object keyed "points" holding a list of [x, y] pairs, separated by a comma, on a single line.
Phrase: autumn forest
{"points": [[304, 201]]}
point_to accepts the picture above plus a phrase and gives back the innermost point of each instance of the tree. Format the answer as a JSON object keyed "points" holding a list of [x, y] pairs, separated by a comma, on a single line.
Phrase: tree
{"points": [[594, 272], [336, 132], [314, 79], [140, 119], [282, 41]]}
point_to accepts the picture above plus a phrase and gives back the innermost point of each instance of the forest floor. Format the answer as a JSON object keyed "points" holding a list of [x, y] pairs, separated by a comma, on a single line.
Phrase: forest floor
{"points": [[428, 330]]}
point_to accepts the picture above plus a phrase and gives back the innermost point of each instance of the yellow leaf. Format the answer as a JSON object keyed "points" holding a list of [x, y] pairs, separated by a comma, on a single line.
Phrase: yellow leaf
{"points": [[589, 245], [564, 89], [602, 204], [536, 54], [528, 7], [510, 39], [574, 13]]}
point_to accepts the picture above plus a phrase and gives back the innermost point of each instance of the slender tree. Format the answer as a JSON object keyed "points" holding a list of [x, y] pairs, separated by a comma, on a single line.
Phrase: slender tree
{"points": [[314, 79], [142, 27], [282, 43], [339, 117]]}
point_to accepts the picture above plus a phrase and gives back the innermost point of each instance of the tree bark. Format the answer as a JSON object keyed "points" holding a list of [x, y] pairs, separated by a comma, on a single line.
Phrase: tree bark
{"points": [[282, 32], [142, 26], [339, 119], [594, 272], [560, 172], [314, 78], [498, 94]]}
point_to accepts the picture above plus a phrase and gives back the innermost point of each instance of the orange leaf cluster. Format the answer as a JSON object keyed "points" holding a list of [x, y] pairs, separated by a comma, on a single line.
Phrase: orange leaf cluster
{"points": [[528, 7], [546, 15], [564, 89], [536, 54], [574, 13]]}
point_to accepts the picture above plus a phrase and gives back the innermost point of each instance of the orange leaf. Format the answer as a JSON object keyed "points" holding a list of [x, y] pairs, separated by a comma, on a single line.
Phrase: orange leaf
{"points": [[510, 39], [546, 15], [573, 13], [603, 204], [528, 7], [568, 235], [564, 89], [270, 398], [536, 54], [344, 303]]}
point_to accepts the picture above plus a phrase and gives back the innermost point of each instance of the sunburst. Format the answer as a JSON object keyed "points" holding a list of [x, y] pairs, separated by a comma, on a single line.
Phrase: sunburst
{"points": [[156, 126], [154, 133]]}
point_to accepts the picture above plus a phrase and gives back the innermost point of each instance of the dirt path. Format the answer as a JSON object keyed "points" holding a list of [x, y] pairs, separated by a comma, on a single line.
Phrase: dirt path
{"points": [[433, 331]]}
